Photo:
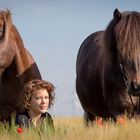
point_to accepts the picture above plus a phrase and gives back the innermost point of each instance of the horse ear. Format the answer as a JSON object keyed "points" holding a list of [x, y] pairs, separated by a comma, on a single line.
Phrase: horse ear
{"points": [[7, 15], [117, 14]]}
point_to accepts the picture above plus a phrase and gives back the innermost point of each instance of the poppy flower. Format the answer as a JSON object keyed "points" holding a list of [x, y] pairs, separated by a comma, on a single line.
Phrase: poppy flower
{"points": [[121, 120], [99, 122], [19, 130]]}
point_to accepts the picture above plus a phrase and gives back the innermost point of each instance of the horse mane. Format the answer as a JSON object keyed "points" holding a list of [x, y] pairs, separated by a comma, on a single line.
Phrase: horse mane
{"points": [[125, 35], [128, 35], [12, 40]]}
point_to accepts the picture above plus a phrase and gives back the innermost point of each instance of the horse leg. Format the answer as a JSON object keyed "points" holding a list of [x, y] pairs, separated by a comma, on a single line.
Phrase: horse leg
{"points": [[88, 118]]}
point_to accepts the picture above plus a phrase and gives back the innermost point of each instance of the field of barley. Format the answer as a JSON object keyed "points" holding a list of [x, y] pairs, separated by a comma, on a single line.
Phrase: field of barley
{"points": [[73, 128]]}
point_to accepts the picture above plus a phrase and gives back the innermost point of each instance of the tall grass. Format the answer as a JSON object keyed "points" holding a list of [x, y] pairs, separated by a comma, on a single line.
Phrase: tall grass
{"points": [[74, 129]]}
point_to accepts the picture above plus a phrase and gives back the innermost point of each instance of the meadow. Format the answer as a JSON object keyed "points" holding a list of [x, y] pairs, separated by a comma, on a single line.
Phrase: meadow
{"points": [[73, 128]]}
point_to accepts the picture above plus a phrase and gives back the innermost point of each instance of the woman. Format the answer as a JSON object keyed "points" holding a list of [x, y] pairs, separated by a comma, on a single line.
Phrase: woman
{"points": [[37, 97]]}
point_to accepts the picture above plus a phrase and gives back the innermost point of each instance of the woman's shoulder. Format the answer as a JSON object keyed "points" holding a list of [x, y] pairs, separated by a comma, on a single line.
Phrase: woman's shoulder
{"points": [[23, 115], [22, 119], [46, 115]]}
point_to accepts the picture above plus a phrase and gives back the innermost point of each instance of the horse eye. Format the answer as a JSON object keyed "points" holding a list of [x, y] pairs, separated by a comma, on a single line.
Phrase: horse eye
{"points": [[1, 30], [133, 66]]}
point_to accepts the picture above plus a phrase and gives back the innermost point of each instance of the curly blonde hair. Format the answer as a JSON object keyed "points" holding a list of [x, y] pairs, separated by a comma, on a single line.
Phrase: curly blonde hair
{"points": [[32, 86]]}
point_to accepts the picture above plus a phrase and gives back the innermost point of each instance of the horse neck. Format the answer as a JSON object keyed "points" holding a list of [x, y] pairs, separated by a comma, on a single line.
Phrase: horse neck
{"points": [[22, 57], [108, 58]]}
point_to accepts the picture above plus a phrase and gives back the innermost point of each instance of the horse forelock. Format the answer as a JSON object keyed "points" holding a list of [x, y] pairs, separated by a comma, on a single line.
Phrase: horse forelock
{"points": [[5, 15], [127, 34]]}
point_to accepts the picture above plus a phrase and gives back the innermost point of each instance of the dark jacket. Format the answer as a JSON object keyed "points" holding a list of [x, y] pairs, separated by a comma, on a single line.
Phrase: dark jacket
{"points": [[23, 120]]}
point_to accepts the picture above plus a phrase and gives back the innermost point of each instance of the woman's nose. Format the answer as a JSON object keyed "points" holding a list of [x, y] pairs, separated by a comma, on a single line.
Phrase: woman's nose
{"points": [[43, 100]]}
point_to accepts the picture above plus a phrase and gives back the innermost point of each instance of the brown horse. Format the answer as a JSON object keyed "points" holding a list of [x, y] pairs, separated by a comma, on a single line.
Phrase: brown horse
{"points": [[16, 66], [108, 69]]}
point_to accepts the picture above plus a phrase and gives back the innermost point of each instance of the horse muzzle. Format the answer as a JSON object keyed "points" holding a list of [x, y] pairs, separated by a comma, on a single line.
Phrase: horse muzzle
{"points": [[135, 93], [134, 89]]}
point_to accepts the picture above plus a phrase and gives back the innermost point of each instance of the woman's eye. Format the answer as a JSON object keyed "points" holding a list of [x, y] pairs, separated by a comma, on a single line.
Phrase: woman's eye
{"points": [[37, 98]]}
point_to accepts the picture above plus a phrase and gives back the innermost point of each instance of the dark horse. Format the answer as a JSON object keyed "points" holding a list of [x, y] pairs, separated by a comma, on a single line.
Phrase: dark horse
{"points": [[108, 69], [16, 66]]}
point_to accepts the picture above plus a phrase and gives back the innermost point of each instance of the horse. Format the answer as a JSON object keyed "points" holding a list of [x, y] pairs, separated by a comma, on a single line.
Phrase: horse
{"points": [[17, 66], [108, 69]]}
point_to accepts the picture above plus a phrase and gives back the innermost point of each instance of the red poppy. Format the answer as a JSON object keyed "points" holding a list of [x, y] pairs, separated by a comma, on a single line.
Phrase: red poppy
{"points": [[99, 122], [121, 120], [19, 130]]}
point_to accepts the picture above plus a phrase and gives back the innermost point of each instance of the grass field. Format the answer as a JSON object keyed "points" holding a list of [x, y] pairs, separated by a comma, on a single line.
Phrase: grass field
{"points": [[74, 129]]}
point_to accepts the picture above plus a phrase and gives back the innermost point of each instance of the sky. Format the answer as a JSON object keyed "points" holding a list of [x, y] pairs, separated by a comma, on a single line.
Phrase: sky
{"points": [[53, 30]]}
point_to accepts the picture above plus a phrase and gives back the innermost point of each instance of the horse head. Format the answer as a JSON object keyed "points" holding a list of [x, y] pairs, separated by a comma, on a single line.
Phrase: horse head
{"points": [[127, 37]]}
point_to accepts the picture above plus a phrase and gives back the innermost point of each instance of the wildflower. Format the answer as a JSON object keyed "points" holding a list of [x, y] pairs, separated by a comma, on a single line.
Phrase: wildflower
{"points": [[19, 130], [99, 122], [121, 120]]}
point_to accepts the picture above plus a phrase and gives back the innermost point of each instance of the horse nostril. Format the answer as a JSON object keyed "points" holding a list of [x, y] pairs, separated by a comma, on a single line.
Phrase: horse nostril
{"points": [[134, 89], [134, 86]]}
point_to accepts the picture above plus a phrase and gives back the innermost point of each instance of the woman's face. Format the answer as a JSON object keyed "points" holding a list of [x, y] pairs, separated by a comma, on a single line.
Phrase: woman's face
{"points": [[39, 102]]}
